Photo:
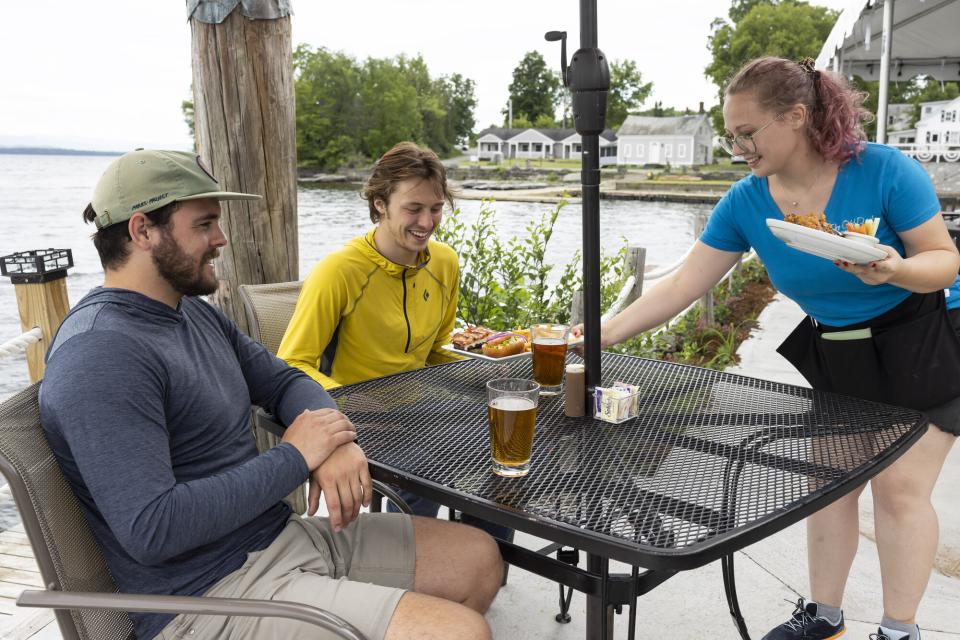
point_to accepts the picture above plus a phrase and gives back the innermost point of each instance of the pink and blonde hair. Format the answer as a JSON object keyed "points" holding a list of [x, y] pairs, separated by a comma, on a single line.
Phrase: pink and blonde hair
{"points": [[834, 126]]}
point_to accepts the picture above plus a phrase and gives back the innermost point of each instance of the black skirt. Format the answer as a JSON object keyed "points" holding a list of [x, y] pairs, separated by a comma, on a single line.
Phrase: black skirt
{"points": [[908, 356]]}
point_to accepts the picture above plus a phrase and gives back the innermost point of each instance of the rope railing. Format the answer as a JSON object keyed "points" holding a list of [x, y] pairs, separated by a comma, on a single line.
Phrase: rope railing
{"points": [[621, 298], [656, 274], [21, 342]]}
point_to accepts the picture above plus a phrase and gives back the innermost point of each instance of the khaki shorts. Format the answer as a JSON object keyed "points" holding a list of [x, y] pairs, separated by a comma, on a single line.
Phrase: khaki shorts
{"points": [[358, 574]]}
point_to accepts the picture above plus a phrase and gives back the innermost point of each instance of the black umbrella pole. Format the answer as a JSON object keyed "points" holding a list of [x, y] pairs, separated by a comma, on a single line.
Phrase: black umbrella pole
{"points": [[590, 180], [588, 24]]}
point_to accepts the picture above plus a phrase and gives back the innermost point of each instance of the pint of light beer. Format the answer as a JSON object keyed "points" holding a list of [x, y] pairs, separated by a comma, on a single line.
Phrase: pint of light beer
{"points": [[511, 414], [549, 355]]}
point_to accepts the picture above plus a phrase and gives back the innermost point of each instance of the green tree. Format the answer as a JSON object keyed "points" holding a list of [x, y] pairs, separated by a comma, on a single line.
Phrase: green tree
{"points": [[535, 89], [914, 91], [433, 114], [660, 111], [458, 97], [899, 92], [740, 8], [928, 89], [545, 121], [391, 107], [186, 108], [627, 91], [789, 29], [329, 111], [521, 122], [349, 112]]}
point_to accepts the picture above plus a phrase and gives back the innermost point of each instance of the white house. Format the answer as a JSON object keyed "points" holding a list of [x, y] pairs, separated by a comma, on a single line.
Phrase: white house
{"points": [[501, 142], [936, 135], [899, 117], [653, 140]]}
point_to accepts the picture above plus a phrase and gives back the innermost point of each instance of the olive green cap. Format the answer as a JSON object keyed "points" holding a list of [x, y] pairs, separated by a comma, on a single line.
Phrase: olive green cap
{"points": [[145, 180]]}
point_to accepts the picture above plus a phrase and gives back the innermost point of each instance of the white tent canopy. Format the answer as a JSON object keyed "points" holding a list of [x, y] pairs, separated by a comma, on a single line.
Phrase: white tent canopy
{"points": [[895, 40], [926, 40]]}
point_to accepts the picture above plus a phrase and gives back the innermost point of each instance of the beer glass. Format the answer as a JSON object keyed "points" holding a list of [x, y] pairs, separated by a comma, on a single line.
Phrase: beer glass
{"points": [[511, 413], [549, 356]]}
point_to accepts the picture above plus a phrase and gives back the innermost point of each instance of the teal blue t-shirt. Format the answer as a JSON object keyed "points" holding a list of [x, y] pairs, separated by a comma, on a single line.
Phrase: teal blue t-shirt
{"points": [[881, 182]]}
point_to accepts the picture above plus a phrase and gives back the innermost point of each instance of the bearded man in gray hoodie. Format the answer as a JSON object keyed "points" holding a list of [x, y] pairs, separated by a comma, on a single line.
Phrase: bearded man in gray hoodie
{"points": [[146, 405]]}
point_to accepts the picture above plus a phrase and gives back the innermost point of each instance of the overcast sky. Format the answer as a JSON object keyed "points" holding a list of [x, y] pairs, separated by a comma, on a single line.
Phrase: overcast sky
{"points": [[111, 75]]}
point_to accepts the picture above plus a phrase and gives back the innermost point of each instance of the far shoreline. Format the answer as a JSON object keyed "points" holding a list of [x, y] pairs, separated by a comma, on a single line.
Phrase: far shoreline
{"points": [[54, 151]]}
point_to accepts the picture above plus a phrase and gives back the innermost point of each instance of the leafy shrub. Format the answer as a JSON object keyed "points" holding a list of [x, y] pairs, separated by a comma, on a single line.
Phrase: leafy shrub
{"points": [[503, 284]]}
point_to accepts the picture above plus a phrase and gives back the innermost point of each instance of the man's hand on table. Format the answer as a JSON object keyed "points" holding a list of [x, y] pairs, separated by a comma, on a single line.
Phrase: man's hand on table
{"points": [[344, 479], [318, 433]]}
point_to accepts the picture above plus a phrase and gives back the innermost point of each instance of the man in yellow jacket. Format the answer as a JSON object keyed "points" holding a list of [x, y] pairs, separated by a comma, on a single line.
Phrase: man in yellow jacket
{"points": [[386, 301]]}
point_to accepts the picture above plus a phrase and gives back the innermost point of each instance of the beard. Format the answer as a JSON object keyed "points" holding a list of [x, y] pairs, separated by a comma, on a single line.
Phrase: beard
{"points": [[182, 272]]}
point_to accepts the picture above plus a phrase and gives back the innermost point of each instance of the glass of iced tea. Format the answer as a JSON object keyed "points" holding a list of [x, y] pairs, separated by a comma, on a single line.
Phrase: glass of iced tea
{"points": [[511, 413], [549, 355]]}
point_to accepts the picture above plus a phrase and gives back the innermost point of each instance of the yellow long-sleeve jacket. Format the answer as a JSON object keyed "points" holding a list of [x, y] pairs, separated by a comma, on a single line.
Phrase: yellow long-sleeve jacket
{"points": [[387, 317]]}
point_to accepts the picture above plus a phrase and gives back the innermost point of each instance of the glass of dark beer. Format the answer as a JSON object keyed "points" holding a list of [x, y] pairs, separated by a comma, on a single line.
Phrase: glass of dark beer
{"points": [[549, 356], [511, 413]]}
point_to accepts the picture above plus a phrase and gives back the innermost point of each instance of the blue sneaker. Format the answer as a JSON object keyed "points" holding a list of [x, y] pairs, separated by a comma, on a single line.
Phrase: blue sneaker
{"points": [[804, 624]]}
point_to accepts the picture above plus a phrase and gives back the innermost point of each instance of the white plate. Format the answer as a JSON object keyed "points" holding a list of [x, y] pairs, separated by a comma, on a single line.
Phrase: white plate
{"points": [[571, 342], [479, 355], [823, 244]]}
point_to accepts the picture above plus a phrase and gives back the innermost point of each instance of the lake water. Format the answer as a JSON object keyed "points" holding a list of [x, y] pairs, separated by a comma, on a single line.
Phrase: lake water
{"points": [[42, 198]]}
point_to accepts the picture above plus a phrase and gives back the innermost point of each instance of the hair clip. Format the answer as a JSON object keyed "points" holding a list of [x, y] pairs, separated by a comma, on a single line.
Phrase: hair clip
{"points": [[809, 65]]}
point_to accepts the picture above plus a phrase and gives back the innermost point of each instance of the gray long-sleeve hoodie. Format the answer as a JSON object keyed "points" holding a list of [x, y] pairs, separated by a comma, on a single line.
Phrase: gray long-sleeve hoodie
{"points": [[147, 410]]}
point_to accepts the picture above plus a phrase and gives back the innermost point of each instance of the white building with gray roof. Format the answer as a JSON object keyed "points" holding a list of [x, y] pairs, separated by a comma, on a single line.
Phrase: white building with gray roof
{"points": [[679, 140], [496, 143]]}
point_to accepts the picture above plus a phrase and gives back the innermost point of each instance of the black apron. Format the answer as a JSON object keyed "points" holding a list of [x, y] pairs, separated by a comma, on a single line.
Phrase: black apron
{"points": [[912, 358]]}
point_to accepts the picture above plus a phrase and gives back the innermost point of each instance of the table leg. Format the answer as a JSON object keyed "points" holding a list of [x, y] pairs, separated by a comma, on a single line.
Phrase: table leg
{"points": [[599, 610], [730, 587]]}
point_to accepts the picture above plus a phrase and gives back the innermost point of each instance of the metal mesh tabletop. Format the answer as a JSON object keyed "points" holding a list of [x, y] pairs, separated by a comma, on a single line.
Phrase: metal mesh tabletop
{"points": [[713, 462]]}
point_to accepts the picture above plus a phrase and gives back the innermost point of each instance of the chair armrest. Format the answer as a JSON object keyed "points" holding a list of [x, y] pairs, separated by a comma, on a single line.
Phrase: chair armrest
{"points": [[190, 604], [262, 419], [391, 495]]}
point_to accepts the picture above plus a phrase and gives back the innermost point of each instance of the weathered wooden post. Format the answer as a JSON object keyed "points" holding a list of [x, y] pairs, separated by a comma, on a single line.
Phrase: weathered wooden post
{"points": [[706, 302], [635, 263], [246, 132], [39, 281], [576, 307]]}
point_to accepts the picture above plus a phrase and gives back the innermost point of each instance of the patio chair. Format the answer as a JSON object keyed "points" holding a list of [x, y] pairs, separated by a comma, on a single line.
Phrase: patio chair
{"points": [[78, 583], [269, 308]]}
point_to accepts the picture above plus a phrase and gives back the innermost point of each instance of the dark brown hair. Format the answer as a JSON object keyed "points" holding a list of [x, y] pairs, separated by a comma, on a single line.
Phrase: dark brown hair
{"points": [[835, 109], [405, 160], [111, 242]]}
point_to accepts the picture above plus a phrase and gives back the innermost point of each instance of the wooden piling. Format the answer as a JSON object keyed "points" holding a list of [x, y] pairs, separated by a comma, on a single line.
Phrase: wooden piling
{"points": [[41, 305], [39, 282], [246, 131]]}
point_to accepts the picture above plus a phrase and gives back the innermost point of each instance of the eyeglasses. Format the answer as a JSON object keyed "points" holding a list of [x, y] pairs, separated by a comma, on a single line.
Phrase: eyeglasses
{"points": [[744, 141]]}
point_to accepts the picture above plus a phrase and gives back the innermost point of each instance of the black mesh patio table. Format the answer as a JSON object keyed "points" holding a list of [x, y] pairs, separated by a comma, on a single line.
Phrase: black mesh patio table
{"points": [[712, 463]]}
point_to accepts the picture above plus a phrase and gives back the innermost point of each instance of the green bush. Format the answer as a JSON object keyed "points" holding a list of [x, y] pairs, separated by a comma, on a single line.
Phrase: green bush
{"points": [[503, 285], [690, 342]]}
